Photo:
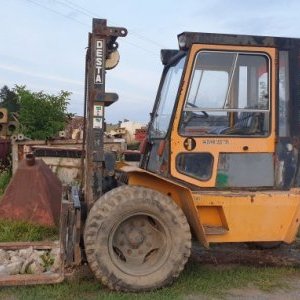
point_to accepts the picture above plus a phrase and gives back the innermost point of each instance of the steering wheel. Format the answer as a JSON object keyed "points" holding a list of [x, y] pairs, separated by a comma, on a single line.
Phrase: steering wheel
{"points": [[236, 131], [206, 115]]}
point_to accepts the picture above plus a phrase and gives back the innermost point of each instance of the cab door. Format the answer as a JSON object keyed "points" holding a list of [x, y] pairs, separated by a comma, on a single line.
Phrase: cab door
{"points": [[224, 128]]}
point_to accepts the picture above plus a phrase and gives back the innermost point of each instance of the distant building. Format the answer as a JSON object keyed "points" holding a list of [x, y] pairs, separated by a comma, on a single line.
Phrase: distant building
{"points": [[132, 132], [131, 127], [126, 130]]}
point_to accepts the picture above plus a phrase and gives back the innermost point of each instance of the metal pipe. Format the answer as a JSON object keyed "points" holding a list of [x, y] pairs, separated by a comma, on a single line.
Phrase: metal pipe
{"points": [[84, 119]]}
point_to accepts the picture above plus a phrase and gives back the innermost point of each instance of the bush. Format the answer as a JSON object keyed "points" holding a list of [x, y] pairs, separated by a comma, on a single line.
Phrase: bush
{"points": [[5, 173], [4, 180], [41, 115]]}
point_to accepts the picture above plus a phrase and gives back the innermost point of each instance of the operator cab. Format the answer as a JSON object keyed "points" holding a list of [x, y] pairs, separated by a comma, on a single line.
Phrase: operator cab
{"points": [[226, 114]]}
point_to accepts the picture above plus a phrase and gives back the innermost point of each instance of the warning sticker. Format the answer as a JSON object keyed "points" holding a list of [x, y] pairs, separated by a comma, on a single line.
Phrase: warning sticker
{"points": [[98, 110], [97, 123]]}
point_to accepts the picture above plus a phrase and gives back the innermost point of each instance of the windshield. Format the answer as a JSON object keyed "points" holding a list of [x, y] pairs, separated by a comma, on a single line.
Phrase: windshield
{"points": [[228, 95], [162, 115]]}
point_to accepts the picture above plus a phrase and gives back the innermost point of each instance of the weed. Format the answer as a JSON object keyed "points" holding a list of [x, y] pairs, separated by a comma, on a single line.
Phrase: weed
{"points": [[48, 260]]}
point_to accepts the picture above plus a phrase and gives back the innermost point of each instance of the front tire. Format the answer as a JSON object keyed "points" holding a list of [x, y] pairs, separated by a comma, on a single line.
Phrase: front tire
{"points": [[136, 239]]}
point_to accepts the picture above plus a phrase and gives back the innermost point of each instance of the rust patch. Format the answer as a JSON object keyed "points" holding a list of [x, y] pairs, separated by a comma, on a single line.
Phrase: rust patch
{"points": [[28, 279]]}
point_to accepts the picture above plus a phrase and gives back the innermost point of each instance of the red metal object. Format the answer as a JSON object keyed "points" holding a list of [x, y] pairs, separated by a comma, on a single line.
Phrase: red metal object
{"points": [[34, 194], [4, 148], [161, 148], [140, 134]]}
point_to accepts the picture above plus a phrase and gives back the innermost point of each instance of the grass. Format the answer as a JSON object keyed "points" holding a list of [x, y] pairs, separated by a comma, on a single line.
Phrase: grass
{"points": [[20, 231], [4, 180], [196, 281]]}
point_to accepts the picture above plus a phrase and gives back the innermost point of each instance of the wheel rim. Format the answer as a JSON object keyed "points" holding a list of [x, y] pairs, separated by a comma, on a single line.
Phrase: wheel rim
{"points": [[139, 244]]}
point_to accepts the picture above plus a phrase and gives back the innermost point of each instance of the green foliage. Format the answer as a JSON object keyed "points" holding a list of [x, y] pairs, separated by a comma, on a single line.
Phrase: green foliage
{"points": [[20, 231], [41, 115], [4, 180], [5, 173], [9, 99]]}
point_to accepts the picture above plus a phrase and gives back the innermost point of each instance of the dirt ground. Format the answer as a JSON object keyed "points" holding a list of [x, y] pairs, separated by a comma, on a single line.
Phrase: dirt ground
{"points": [[227, 255], [228, 271], [247, 254], [292, 292]]}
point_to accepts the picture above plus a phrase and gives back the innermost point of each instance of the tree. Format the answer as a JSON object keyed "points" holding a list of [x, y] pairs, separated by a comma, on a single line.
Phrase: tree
{"points": [[41, 115], [9, 99]]}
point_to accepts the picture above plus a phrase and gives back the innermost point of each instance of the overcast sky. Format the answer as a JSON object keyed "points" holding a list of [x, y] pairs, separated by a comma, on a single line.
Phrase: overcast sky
{"points": [[43, 41]]}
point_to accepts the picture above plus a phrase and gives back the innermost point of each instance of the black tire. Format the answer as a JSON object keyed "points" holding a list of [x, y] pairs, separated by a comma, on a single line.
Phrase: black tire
{"points": [[145, 224]]}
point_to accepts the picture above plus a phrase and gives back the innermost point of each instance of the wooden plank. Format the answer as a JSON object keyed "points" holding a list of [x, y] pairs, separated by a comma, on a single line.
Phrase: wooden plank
{"points": [[44, 245], [29, 279]]}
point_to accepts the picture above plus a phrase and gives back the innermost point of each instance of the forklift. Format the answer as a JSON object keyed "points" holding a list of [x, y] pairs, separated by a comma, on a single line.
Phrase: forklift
{"points": [[220, 161]]}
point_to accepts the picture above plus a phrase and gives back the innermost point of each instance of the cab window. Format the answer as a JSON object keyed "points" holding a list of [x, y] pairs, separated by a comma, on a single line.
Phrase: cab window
{"points": [[166, 101], [229, 94]]}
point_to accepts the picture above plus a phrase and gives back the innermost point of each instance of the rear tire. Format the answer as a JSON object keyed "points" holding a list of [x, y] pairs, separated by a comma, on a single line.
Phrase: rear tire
{"points": [[136, 239]]}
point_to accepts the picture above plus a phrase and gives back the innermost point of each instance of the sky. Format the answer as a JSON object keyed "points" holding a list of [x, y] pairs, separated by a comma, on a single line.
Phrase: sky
{"points": [[43, 42]]}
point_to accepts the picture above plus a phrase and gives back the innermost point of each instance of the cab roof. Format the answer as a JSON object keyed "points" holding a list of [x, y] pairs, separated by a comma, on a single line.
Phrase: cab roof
{"points": [[186, 39]]}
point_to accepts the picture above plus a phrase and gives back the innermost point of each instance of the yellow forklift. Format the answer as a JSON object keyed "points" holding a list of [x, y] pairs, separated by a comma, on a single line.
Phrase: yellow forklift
{"points": [[220, 161]]}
